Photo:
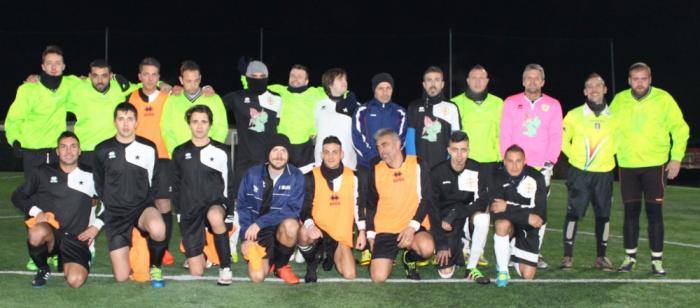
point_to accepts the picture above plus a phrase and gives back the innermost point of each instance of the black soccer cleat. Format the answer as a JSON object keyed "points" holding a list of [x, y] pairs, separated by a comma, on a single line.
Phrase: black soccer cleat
{"points": [[311, 272], [409, 267], [41, 278]]}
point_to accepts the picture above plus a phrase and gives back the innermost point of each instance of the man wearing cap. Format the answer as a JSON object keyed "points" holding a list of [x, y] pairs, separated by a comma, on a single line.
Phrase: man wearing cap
{"points": [[270, 198]]}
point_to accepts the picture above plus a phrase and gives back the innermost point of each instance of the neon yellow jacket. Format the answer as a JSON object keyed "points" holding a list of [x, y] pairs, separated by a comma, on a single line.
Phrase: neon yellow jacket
{"points": [[38, 115], [482, 125], [645, 127], [297, 112], [174, 126], [94, 111], [589, 141]]}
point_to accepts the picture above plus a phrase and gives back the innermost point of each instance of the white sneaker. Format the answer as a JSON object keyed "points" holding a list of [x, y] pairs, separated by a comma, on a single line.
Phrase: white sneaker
{"points": [[225, 276], [298, 258]]}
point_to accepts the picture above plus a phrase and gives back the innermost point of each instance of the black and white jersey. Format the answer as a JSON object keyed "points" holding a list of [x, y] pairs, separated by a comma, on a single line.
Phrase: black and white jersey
{"points": [[458, 194], [124, 176], [67, 195], [526, 193], [201, 177]]}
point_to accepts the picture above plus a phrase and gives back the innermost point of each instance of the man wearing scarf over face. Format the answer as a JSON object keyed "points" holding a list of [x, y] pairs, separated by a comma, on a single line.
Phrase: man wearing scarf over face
{"points": [[431, 119], [38, 115]]}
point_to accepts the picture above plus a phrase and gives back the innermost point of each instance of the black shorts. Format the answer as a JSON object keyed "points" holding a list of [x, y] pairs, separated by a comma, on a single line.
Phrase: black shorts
{"points": [[386, 246], [87, 158], [267, 237], [589, 187], [527, 239], [192, 231], [164, 188], [71, 250], [302, 154], [119, 229], [649, 181], [32, 159]]}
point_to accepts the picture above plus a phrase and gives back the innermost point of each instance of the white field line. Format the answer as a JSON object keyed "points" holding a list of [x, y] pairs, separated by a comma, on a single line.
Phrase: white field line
{"points": [[367, 280], [641, 238]]}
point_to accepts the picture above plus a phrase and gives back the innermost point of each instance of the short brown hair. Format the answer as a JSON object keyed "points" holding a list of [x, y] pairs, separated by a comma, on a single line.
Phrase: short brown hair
{"points": [[640, 66], [433, 69], [189, 65], [149, 61], [330, 75], [51, 49], [301, 67]]}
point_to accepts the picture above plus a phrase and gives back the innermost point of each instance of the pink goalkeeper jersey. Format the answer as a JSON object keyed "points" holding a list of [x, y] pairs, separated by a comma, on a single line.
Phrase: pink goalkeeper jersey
{"points": [[536, 127]]}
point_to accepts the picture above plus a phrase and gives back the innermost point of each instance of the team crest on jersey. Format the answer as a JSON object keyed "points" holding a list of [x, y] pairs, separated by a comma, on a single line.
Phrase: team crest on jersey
{"points": [[531, 125], [188, 155], [597, 125], [335, 200], [431, 129], [527, 187], [398, 177], [258, 119], [111, 155], [53, 179], [545, 107]]}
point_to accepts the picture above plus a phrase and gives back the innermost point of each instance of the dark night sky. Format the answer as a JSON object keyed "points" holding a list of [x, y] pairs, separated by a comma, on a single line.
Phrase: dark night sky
{"points": [[569, 38]]}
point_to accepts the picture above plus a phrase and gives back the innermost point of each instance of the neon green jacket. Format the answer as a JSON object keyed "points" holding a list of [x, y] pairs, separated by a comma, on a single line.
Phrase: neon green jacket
{"points": [[175, 128], [589, 141], [94, 111], [38, 115], [645, 127], [482, 125], [297, 112]]}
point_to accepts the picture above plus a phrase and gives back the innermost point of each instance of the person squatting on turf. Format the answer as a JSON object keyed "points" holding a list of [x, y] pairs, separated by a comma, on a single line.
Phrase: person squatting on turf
{"points": [[57, 201], [270, 198], [398, 205], [460, 193], [330, 210], [202, 180], [126, 168], [519, 209]]}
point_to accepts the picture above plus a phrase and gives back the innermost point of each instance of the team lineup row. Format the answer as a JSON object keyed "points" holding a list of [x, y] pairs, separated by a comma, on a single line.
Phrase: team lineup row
{"points": [[376, 149]]}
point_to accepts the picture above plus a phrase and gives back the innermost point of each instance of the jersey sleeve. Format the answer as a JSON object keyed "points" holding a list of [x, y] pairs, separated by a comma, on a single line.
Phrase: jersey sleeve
{"points": [[16, 115], [22, 196], [219, 129], [680, 132]]}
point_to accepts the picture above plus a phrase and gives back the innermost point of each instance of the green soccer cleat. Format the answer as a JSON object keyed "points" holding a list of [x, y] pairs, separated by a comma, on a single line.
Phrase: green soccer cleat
{"points": [[657, 268], [234, 257], [53, 261], [410, 267], [157, 278], [365, 257], [628, 265], [475, 275], [502, 279], [31, 266]]}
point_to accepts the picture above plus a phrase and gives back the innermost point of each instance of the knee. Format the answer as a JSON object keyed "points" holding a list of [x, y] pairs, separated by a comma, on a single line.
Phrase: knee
{"points": [[350, 275], [121, 277], [196, 271], [290, 228], [502, 227], [481, 220], [156, 230], [426, 248], [256, 277], [75, 280], [36, 238], [377, 278]]}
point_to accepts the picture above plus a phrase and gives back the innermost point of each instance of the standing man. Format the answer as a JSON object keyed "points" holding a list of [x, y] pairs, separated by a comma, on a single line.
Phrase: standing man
{"points": [[175, 130], [589, 143], [533, 121], [296, 116], [519, 205], [481, 119], [398, 206], [125, 179], [150, 102], [460, 193], [643, 155], [330, 209], [65, 223], [431, 119], [38, 115], [92, 102], [201, 186], [333, 115], [269, 201]]}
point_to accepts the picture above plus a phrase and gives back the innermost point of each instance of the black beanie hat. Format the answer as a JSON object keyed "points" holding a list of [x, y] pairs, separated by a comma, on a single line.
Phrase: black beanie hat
{"points": [[278, 140], [381, 77]]}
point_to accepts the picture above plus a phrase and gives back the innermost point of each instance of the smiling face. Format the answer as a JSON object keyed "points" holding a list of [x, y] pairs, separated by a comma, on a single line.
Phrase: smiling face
{"points": [[298, 78], [68, 151], [278, 157], [533, 81], [595, 89]]}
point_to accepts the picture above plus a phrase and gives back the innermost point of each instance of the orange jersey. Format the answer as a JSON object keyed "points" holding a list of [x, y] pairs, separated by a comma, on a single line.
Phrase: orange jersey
{"points": [[149, 115], [332, 211], [399, 192]]}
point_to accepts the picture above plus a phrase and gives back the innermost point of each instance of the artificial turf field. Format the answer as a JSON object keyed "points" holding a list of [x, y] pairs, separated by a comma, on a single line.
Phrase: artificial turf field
{"points": [[583, 286]]}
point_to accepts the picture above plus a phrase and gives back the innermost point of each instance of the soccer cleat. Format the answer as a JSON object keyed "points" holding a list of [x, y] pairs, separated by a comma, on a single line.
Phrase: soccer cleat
{"points": [[311, 272], [502, 279], [157, 278], [657, 268], [225, 277], [53, 261], [541, 263], [409, 267], [566, 263], [483, 261], [446, 273], [31, 266], [628, 265], [287, 275], [41, 278], [365, 257], [604, 264], [168, 258], [475, 275], [427, 262]]}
